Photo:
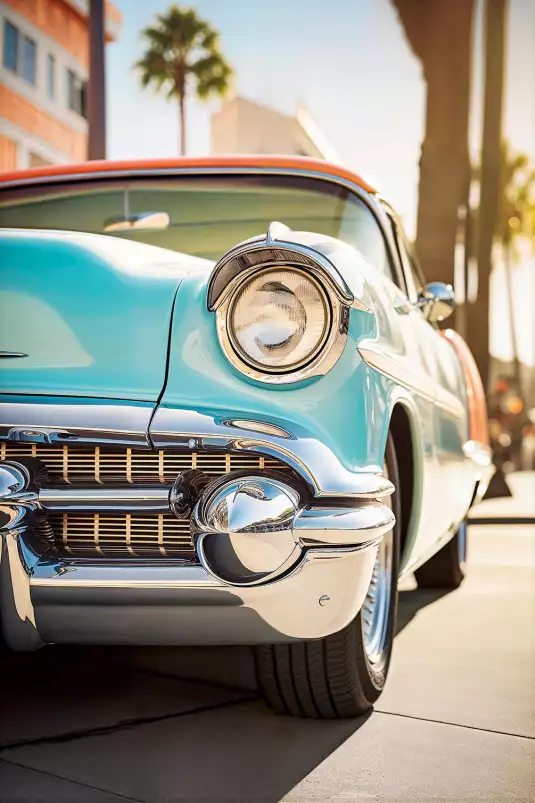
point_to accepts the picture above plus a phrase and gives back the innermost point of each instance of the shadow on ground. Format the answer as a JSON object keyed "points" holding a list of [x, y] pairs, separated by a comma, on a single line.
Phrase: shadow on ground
{"points": [[133, 721], [413, 600]]}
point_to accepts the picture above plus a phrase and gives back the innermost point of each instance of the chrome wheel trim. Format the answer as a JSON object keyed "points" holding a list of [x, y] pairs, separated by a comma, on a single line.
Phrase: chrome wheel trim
{"points": [[462, 544], [376, 608], [375, 612]]}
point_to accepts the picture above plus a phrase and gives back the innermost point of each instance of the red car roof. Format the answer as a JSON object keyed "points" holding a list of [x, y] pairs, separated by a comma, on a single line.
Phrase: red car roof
{"points": [[250, 161]]}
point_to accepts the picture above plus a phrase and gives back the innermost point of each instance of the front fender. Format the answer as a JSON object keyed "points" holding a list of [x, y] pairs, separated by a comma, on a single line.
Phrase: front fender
{"points": [[344, 410]]}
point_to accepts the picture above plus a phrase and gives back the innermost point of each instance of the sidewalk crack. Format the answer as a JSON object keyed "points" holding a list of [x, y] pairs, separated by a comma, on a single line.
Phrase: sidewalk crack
{"points": [[71, 781], [123, 724], [453, 724]]}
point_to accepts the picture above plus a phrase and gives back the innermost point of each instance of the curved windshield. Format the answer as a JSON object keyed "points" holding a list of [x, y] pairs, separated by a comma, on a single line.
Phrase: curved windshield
{"points": [[197, 215]]}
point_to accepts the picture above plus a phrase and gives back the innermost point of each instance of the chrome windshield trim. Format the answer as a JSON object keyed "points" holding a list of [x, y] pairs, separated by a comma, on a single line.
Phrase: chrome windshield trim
{"points": [[313, 460], [68, 420]]}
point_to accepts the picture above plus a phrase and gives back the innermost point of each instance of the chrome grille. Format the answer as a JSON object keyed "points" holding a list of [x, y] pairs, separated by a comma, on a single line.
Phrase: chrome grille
{"points": [[122, 535], [105, 464]]}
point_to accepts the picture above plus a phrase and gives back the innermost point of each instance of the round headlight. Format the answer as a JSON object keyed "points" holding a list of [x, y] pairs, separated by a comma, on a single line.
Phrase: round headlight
{"points": [[279, 319]]}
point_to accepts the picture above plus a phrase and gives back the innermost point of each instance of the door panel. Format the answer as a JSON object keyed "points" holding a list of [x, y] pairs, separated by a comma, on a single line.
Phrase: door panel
{"points": [[448, 485]]}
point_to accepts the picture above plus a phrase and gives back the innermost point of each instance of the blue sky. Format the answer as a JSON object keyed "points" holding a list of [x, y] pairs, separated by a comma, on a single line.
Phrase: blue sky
{"points": [[346, 60], [349, 65]]}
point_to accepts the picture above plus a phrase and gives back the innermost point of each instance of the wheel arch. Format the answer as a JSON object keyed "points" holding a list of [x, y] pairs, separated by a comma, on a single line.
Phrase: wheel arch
{"points": [[403, 426]]}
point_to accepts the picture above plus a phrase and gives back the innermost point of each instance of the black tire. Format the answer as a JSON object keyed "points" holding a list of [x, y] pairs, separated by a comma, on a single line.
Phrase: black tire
{"points": [[447, 568], [332, 678]]}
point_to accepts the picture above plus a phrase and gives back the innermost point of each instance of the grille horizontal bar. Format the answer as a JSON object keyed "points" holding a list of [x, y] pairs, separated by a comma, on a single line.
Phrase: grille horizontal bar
{"points": [[87, 534], [69, 464]]}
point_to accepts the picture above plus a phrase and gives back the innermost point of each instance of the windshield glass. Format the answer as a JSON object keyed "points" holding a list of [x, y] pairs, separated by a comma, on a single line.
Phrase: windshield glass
{"points": [[197, 215]]}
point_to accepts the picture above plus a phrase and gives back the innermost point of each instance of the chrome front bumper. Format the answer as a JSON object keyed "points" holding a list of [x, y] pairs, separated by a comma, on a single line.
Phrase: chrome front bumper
{"points": [[46, 599]]}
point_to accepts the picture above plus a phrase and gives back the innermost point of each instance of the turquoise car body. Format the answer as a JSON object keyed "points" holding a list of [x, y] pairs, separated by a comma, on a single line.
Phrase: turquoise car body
{"points": [[106, 323]]}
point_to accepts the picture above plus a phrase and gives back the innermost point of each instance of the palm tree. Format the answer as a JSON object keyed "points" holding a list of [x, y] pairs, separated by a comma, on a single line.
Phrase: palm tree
{"points": [[516, 219], [183, 56], [430, 27]]}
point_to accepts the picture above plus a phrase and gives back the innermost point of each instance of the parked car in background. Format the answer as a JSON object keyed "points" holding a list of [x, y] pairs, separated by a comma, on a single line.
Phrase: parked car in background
{"points": [[220, 429], [510, 426]]}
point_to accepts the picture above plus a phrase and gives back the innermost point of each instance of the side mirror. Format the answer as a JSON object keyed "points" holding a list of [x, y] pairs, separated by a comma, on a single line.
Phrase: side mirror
{"points": [[437, 301]]}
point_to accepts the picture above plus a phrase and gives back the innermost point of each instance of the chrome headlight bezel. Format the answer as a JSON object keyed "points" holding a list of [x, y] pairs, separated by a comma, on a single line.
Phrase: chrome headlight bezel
{"points": [[318, 362]]}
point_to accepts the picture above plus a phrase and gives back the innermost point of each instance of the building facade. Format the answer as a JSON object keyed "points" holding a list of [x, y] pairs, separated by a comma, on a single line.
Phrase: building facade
{"points": [[44, 58], [243, 126]]}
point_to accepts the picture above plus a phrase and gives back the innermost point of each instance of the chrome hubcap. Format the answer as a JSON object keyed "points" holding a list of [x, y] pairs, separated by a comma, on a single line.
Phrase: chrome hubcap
{"points": [[376, 608]]}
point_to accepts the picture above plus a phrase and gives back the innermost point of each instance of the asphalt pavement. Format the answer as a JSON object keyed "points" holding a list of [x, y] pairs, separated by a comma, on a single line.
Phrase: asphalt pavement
{"points": [[456, 722]]}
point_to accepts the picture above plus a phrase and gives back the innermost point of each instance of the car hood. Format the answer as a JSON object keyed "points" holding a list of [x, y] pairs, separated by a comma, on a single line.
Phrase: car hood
{"points": [[89, 314]]}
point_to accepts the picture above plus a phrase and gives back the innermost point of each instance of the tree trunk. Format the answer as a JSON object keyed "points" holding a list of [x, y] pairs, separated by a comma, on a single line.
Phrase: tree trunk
{"points": [[182, 121], [489, 203], [511, 312], [440, 33], [96, 100]]}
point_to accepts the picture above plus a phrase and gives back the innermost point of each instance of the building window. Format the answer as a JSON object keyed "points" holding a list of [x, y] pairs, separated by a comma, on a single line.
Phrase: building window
{"points": [[29, 60], [75, 93], [20, 53], [51, 76], [11, 46]]}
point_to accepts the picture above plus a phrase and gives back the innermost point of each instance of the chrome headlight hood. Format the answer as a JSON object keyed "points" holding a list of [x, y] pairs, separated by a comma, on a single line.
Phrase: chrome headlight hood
{"points": [[282, 303], [320, 254]]}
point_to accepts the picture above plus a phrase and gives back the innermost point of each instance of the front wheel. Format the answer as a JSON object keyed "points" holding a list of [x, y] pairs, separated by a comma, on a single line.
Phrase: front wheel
{"points": [[343, 674]]}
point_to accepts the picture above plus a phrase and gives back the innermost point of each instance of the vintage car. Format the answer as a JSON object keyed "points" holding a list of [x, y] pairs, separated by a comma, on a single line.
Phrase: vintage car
{"points": [[217, 429]]}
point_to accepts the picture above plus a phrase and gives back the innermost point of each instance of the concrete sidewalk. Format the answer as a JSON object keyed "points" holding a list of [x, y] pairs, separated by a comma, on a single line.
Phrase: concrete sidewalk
{"points": [[520, 506], [456, 723]]}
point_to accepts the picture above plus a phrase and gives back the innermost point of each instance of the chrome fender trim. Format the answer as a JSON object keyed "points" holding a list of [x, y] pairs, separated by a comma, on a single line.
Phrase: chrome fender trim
{"points": [[344, 526], [310, 458], [69, 420]]}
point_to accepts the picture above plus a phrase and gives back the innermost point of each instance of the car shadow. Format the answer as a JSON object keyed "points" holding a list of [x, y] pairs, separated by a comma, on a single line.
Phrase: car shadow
{"points": [[412, 600], [151, 735], [163, 724]]}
